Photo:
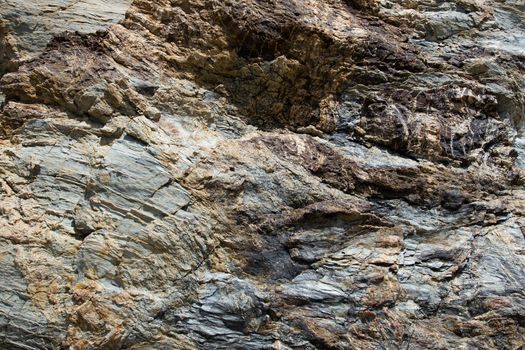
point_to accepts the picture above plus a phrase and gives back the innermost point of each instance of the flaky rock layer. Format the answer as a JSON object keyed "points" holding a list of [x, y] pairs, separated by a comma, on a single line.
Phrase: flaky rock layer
{"points": [[262, 174]]}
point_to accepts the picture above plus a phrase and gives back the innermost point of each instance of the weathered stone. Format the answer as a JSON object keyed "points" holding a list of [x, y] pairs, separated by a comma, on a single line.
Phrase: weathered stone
{"points": [[201, 174]]}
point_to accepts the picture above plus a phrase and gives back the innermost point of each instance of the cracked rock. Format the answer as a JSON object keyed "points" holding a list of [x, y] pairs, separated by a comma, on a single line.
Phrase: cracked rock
{"points": [[300, 174]]}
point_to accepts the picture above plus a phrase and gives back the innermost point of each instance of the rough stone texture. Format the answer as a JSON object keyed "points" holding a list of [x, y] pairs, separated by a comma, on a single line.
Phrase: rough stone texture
{"points": [[27, 26], [299, 174]]}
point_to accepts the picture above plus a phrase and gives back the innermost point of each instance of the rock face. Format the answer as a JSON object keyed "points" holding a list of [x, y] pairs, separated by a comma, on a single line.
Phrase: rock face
{"points": [[27, 26], [260, 174]]}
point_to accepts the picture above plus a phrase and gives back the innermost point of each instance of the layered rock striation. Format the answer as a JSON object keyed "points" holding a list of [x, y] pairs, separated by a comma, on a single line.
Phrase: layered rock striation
{"points": [[296, 174]]}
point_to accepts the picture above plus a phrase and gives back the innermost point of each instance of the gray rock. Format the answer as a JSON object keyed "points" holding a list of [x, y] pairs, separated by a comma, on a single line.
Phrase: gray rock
{"points": [[262, 175]]}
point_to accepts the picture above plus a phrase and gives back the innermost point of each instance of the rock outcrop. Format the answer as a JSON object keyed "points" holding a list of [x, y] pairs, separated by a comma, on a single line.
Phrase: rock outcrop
{"points": [[262, 174]]}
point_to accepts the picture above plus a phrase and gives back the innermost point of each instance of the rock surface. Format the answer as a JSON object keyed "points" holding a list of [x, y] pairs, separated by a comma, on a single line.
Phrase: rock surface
{"points": [[299, 174]]}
